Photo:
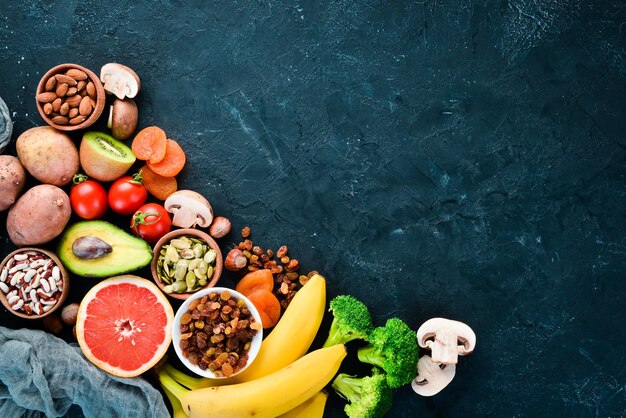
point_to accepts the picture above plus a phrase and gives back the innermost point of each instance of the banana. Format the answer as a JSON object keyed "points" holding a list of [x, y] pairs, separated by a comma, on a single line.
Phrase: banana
{"points": [[177, 408], [266, 397], [290, 339], [313, 408]]}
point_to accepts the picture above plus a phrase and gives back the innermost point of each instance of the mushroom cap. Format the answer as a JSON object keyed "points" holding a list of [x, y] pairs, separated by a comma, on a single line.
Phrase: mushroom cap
{"points": [[189, 209], [120, 80], [123, 118], [439, 331], [432, 377]]}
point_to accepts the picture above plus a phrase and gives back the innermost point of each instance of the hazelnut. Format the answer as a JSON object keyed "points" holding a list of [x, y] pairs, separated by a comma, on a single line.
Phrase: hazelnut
{"points": [[53, 324], [220, 227], [68, 314], [235, 260]]}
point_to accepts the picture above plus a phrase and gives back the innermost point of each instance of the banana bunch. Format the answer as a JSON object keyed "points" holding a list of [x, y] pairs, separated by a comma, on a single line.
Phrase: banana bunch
{"points": [[265, 397], [259, 390]]}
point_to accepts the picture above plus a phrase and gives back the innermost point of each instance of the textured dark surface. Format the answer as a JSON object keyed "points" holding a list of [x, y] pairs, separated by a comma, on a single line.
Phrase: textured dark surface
{"points": [[458, 159]]}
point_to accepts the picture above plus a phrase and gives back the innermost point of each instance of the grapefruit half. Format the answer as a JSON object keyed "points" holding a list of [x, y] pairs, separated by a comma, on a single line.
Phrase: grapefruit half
{"points": [[124, 325]]}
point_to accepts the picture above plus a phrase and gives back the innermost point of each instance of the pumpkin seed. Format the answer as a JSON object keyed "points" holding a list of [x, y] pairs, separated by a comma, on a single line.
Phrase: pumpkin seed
{"points": [[171, 254], [187, 253], [197, 250], [168, 289], [180, 243], [209, 272], [210, 256], [181, 270], [179, 287], [202, 282], [191, 280], [193, 264]]}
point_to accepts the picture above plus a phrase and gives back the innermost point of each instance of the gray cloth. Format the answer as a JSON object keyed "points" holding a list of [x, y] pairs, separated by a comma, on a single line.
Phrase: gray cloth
{"points": [[6, 126], [42, 375]]}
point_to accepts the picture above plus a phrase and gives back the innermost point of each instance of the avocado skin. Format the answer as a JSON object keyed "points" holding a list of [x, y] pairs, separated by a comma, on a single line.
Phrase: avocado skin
{"points": [[129, 253]]}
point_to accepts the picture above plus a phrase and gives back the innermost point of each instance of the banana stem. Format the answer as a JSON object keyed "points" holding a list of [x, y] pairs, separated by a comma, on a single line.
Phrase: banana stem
{"points": [[186, 380], [170, 384]]}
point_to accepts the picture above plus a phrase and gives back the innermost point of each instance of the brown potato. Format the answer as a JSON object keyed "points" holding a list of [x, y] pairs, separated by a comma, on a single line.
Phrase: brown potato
{"points": [[12, 179], [39, 216], [48, 155]]}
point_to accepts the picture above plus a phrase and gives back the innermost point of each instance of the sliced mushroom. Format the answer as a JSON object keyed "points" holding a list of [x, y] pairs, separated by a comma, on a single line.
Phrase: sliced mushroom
{"points": [[120, 80], [447, 339], [432, 377], [123, 118], [189, 209]]}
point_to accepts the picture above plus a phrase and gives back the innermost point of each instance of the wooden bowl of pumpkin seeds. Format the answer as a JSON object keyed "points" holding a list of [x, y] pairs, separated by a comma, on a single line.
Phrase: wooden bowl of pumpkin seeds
{"points": [[185, 261]]}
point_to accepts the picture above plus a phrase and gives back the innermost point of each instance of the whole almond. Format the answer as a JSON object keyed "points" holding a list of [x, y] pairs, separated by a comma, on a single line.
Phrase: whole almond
{"points": [[60, 120], [93, 103], [78, 120], [51, 84], [47, 108], [61, 89], [72, 91], [65, 79], [73, 112], [56, 105], [91, 90], [76, 74], [73, 101], [46, 97], [65, 108], [85, 106], [81, 85]]}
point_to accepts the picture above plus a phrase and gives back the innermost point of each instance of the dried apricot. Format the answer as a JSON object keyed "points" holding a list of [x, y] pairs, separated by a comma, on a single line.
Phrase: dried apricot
{"points": [[158, 186], [268, 306], [256, 280], [172, 163], [150, 144]]}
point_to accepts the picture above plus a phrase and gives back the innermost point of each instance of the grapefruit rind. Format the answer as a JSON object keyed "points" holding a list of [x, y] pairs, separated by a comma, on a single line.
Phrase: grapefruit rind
{"points": [[82, 317]]}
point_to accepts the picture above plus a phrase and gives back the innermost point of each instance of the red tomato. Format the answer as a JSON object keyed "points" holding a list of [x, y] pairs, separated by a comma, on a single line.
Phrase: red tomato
{"points": [[88, 198], [127, 194], [151, 222]]}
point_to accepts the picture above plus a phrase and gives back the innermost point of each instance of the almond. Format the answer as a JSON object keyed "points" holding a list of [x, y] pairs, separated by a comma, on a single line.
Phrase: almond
{"points": [[65, 79], [91, 90], [85, 106], [56, 105], [74, 101], [93, 103], [72, 91], [73, 112], [46, 97], [81, 85], [51, 84], [78, 120], [61, 89], [76, 74], [60, 120], [47, 108], [65, 108]]}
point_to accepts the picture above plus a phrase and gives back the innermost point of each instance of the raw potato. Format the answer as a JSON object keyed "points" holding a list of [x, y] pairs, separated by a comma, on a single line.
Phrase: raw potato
{"points": [[12, 179], [39, 216], [48, 155]]}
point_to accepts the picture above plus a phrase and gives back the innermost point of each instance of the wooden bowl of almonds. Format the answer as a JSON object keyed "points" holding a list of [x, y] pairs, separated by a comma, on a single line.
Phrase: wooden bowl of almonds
{"points": [[185, 261], [70, 97], [33, 283]]}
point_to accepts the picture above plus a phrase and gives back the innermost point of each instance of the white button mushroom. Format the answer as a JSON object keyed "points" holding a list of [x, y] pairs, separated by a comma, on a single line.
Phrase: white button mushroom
{"points": [[189, 209], [432, 377], [119, 80], [447, 339]]}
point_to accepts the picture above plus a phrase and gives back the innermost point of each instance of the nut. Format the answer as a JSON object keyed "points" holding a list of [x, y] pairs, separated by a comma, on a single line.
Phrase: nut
{"points": [[220, 227], [84, 108], [46, 97], [50, 84], [65, 79], [53, 324], [76, 74], [68, 314], [61, 89], [235, 260]]}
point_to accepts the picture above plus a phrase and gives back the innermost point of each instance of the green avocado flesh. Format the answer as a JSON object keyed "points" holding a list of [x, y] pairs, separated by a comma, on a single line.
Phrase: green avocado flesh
{"points": [[128, 253]]}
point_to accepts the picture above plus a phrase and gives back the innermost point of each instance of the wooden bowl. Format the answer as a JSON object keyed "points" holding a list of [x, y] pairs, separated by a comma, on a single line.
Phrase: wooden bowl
{"points": [[64, 278], [100, 97], [196, 234]]}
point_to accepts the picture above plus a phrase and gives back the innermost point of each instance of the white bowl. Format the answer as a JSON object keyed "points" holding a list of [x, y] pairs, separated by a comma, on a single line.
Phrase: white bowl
{"points": [[255, 345]]}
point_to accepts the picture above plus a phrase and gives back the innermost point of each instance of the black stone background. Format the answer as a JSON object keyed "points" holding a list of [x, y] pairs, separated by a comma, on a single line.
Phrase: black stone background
{"points": [[462, 159]]}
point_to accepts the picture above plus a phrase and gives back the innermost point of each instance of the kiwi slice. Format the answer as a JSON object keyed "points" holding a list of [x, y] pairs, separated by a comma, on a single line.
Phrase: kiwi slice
{"points": [[103, 157]]}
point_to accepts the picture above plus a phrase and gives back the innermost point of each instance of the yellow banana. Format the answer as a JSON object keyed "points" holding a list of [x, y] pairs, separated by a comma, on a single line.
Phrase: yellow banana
{"points": [[177, 408], [266, 397], [313, 408], [288, 341]]}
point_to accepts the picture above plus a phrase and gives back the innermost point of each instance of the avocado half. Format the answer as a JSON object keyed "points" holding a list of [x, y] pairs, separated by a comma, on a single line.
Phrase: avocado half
{"points": [[127, 253]]}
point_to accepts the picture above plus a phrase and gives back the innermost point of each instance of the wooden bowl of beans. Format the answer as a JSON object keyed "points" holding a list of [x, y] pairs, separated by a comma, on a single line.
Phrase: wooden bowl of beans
{"points": [[70, 97]]}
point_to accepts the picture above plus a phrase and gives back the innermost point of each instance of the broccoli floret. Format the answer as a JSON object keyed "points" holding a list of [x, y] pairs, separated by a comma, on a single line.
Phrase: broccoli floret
{"points": [[351, 320], [394, 349], [368, 397]]}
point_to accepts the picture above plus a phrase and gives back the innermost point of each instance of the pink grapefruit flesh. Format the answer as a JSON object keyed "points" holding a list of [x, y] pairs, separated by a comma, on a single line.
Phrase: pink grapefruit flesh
{"points": [[124, 325]]}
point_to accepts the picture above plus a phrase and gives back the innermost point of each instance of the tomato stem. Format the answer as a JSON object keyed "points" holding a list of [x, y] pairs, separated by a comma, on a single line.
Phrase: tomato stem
{"points": [[79, 178], [139, 218], [137, 178]]}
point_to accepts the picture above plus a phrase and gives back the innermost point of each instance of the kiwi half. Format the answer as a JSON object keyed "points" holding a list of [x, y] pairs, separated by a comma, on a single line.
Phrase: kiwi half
{"points": [[103, 157]]}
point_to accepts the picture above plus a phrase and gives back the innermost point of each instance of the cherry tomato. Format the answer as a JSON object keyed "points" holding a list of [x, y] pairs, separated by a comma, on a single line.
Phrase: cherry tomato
{"points": [[151, 222], [88, 198], [127, 194]]}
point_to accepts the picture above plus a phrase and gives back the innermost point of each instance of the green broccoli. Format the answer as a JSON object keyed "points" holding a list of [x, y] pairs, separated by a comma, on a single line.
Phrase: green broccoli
{"points": [[394, 349], [351, 320], [368, 397]]}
